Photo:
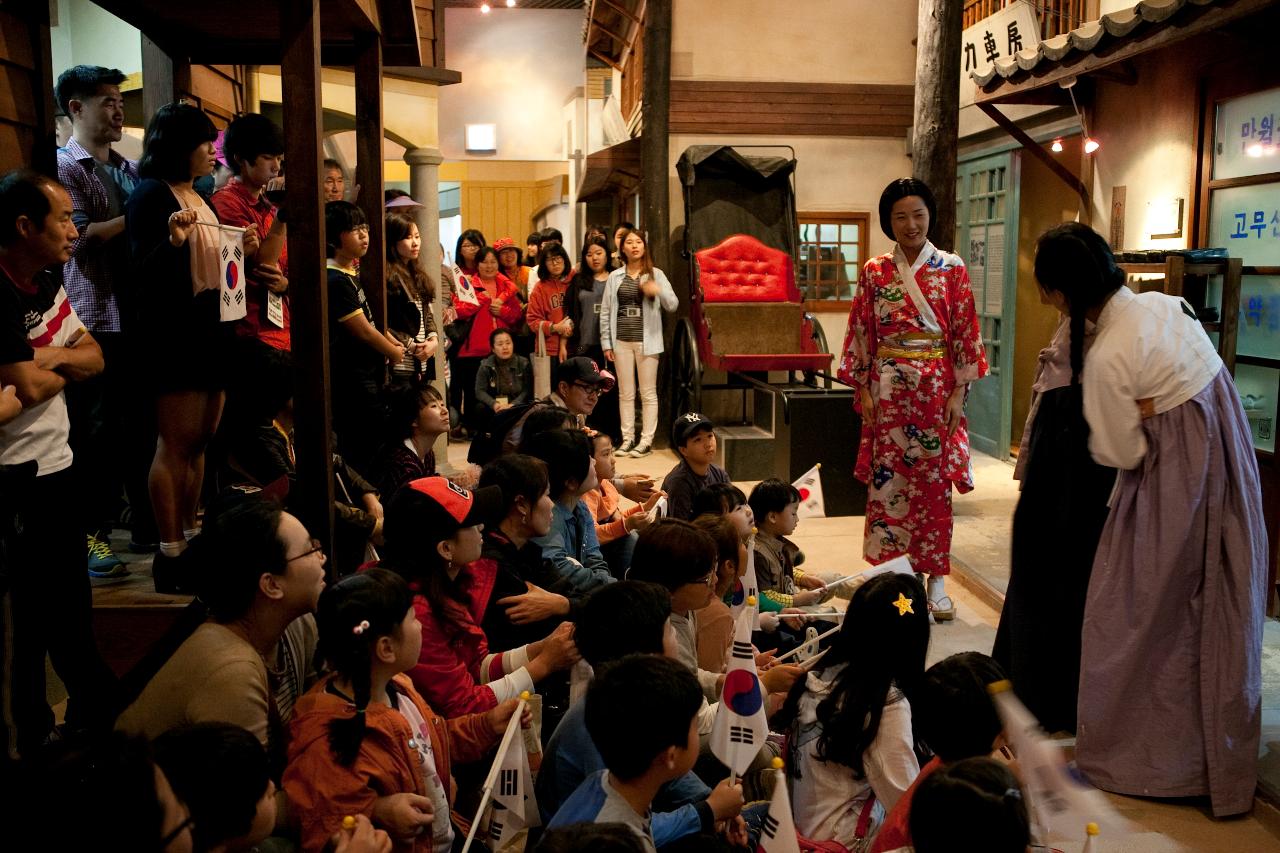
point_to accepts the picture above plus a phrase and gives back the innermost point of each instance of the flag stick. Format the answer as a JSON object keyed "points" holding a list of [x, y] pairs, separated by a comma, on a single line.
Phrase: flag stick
{"points": [[492, 778], [221, 227], [821, 636], [839, 581]]}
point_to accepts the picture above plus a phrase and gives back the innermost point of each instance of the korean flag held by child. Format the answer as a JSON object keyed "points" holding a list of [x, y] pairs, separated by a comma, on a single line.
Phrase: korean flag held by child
{"points": [[778, 832], [510, 784], [747, 588], [810, 488], [231, 298], [740, 727]]}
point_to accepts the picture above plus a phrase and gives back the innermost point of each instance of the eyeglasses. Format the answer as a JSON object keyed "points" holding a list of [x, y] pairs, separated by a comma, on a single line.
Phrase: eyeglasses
{"points": [[589, 390], [316, 545]]}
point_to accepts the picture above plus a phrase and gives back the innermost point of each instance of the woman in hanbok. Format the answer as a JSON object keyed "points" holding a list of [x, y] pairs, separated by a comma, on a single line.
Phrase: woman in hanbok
{"points": [[912, 348], [1171, 650], [1062, 489]]}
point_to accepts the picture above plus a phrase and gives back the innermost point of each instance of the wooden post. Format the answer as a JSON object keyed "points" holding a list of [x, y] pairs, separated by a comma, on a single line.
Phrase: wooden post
{"points": [[309, 294], [936, 129], [158, 82], [369, 170], [43, 155], [655, 140]]}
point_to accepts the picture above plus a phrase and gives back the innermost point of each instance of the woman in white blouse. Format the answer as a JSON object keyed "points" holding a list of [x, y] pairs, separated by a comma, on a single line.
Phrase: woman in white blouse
{"points": [[1170, 672], [635, 296]]}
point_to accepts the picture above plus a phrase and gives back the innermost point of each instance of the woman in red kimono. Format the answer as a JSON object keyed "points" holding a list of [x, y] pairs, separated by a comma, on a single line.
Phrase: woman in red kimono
{"points": [[912, 348]]}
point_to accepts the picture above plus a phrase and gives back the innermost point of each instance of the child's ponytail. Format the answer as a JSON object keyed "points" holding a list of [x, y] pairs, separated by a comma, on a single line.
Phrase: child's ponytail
{"points": [[353, 614]]}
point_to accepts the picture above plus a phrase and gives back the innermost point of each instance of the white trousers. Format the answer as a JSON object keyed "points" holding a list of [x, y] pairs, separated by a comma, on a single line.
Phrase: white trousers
{"points": [[630, 360]]}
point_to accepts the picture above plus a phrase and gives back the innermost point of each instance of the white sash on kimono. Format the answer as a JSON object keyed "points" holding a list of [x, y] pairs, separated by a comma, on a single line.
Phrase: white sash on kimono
{"points": [[907, 278]]}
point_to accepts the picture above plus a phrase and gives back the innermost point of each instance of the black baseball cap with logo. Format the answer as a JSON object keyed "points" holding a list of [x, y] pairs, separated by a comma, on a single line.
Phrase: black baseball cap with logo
{"points": [[687, 425]]}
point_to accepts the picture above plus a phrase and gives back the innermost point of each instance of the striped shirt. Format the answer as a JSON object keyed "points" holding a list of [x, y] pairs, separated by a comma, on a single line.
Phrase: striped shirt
{"points": [[630, 311]]}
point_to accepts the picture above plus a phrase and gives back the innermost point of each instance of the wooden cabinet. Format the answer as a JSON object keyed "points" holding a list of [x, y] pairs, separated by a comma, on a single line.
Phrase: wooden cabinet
{"points": [[1190, 281]]}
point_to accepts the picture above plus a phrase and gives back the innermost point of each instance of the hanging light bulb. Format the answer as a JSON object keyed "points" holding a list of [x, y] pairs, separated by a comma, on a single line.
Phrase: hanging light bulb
{"points": [[1091, 145], [1056, 147], [511, 4], [484, 8]]}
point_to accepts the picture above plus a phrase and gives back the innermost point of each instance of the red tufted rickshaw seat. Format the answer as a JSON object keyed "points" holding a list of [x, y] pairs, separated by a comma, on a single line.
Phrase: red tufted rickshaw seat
{"points": [[742, 269]]}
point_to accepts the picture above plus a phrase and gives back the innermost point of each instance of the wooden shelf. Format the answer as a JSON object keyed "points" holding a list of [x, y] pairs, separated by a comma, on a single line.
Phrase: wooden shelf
{"points": [[1174, 271]]}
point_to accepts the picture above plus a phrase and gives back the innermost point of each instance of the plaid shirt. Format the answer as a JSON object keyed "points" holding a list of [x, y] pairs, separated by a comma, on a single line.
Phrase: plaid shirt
{"points": [[92, 277]]}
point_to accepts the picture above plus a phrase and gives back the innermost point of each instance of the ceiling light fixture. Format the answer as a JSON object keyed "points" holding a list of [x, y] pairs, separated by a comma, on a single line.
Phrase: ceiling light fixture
{"points": [[1056, 147], [511, 4], [1091, 145], [484, 8]]}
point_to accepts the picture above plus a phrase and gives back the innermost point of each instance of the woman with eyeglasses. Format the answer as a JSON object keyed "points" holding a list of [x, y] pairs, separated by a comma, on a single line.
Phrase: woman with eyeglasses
{"points": [[248, 642]]}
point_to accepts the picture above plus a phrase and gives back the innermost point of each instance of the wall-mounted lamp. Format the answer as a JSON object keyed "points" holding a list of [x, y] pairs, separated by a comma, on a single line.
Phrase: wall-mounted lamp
{"points": [[1090, 144], [1056, 147], [484, 8], [482, 137]]}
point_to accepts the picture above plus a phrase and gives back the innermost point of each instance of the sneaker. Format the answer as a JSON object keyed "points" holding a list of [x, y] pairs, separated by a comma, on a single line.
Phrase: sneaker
{"points": [[640, 451], [626, 448], [136, 547], [103, 563]]}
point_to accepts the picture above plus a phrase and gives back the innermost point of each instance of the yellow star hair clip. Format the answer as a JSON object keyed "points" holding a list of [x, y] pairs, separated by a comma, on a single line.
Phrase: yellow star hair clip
{"points": [[904, 605]]}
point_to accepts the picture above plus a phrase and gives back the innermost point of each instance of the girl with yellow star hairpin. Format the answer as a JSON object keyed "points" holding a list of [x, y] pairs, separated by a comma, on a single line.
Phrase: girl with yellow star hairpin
{"points": [[851, 748]]}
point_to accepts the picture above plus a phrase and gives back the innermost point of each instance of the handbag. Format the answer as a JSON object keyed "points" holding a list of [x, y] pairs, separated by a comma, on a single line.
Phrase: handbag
{"points": [[541, 367], [458, 331]]}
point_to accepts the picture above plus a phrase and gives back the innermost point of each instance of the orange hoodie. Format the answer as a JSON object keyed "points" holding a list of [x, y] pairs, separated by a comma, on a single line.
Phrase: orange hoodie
{"points": [[546, 306], [322, 791]]}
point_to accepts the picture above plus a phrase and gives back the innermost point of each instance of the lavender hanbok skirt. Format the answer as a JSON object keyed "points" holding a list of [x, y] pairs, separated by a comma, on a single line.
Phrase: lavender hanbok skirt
{"points": [[1171, 680]]}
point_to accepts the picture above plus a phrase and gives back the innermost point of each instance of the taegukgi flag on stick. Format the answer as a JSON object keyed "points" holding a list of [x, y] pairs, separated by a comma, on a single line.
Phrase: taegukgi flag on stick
{"points": [[508, 792], [740, 726], [778, 832], [462, 289], [231, 298], [810, 488], [747, 588], [1061, 806]]}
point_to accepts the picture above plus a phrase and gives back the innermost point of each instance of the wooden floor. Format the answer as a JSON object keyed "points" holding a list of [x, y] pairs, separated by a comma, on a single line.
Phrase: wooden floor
{"points": [[129, 616]]}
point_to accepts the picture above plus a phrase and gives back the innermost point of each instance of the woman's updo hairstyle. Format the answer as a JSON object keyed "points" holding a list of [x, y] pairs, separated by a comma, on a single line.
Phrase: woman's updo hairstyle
{"points": [[240, 539], [896, 192]]}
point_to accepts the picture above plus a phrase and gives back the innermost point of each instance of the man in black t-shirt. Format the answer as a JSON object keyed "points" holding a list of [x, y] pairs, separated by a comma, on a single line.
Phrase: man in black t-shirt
{"points": [[43, 347]]}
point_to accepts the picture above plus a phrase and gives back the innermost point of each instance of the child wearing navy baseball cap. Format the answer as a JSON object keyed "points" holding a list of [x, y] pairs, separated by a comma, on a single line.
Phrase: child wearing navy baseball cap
{"points": [[693, 437]]}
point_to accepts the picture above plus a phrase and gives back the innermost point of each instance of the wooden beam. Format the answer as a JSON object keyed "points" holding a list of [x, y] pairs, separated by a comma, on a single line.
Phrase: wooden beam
{"points": [[44, 155], [611, 34], [625, 11], [606, 60], [368, 86], [1035, 150], [158, 84], [309, 293], [937, 110]]}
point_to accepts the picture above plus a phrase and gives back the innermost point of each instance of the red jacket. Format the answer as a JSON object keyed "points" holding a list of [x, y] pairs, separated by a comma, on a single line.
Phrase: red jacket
{"points": [[477, 345], [322, 792], [546, 306], [448, 673]]}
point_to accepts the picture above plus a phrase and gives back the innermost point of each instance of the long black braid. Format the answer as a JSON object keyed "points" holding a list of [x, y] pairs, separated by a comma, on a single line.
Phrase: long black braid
{"points": [[1074, 260]]}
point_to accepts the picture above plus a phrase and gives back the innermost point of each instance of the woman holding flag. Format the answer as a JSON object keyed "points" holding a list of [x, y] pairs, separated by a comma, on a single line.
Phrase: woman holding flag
{"points": [[912, 349]]}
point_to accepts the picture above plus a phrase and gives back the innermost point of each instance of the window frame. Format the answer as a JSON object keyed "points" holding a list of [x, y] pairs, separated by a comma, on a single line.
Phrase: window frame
{"points": [[832, 217]]}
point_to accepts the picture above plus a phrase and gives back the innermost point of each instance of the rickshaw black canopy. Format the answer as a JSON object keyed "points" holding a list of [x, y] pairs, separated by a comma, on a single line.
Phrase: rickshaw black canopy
{"points": [[727, 192]]}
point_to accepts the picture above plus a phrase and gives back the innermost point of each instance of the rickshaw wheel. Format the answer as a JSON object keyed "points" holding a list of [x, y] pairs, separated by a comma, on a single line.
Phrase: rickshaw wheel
{"points": [[686, 371]]}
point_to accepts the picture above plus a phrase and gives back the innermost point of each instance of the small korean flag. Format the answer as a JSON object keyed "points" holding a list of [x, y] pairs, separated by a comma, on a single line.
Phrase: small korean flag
{"points": [[810, 488], [231, 301]]}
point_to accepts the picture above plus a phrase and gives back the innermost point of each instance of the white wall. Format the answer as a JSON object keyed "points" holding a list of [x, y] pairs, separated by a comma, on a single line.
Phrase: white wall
{"points": [[86, 34], [518, 67], [1106, 7]]}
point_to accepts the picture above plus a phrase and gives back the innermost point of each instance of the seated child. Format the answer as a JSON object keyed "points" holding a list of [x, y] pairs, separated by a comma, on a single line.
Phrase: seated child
{"points": [[363, 741], [955, 717], [359, 352], [623, 619], [774, 505], [726, 499], [848, 721], [973, 798], [616, 529], [504, 379], [693, 437], [715, 621], [220, 771], [434, 542], [641, 713], [416, 417], [571, 544]]}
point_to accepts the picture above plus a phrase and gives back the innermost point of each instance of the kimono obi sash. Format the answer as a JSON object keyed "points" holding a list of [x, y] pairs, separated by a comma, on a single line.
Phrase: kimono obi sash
{"points": [[913, 345]]}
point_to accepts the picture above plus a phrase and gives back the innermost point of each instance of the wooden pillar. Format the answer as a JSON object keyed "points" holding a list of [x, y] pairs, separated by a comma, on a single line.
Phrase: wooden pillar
{"points": [[159, 85], [309, 295], [369, 170], [655, 140], [43, 155], [936, 129]]}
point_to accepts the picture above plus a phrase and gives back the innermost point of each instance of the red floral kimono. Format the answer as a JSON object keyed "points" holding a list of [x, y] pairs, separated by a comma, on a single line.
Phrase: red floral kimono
{"points": [[913, 335]]}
